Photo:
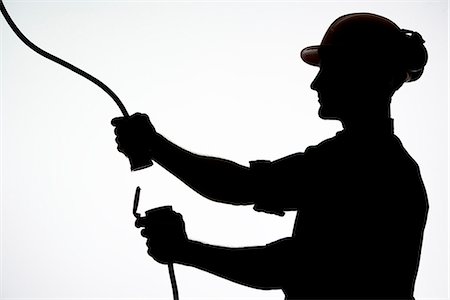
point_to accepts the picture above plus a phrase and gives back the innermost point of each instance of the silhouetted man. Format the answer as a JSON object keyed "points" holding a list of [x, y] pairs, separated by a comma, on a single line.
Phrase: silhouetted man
{"points": [[361, 202]]}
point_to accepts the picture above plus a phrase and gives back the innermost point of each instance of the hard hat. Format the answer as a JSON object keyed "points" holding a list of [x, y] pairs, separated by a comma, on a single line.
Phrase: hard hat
{"points": [[376, 39]]}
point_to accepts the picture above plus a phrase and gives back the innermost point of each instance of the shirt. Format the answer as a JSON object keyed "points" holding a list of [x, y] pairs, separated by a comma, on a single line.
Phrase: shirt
{"points": [[362, 209]]}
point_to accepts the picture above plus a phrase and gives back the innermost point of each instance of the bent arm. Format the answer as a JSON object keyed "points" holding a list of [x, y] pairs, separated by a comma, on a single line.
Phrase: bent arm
{"points": [[216, 179], [263, 267]]}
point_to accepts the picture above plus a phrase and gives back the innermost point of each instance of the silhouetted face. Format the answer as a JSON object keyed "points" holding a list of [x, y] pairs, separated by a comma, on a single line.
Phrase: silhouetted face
{"points": [[331, 90], [348, 87]]}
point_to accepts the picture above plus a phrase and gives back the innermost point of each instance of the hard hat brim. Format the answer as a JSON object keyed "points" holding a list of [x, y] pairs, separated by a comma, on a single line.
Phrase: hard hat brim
{"points": [[310, 55]]}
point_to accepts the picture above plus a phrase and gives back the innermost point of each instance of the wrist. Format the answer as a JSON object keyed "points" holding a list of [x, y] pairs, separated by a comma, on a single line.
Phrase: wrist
{"points": [[157, 142], [187, 252]]}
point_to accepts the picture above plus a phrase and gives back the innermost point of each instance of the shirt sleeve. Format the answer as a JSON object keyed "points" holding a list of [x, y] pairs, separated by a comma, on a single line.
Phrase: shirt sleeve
{"points": [[279, 185]]}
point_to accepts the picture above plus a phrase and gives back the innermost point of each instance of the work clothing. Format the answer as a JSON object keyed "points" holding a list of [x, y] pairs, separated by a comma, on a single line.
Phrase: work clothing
{"points": [[362, 209]]}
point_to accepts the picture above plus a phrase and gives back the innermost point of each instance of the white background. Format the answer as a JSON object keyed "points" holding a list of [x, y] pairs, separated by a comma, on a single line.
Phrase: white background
{"points": [[218, 78]]}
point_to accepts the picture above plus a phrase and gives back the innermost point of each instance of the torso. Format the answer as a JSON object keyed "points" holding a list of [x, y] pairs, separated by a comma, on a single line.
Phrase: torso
{"points": [[359, 230]]}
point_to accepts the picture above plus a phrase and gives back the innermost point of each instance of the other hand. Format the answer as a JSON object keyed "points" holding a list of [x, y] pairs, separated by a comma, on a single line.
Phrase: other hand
{"points": [[166, 235]]}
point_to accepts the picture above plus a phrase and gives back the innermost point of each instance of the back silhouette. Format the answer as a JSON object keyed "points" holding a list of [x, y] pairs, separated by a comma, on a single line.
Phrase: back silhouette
{"points": [[361, 202]]}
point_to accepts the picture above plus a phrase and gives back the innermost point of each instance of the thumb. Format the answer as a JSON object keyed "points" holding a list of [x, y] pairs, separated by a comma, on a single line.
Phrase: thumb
{"points": [[117, 121]]}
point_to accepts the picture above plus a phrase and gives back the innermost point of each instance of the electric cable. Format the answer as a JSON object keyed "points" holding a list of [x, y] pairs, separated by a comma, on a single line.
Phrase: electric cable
{"points": [[60, 61], [138, 217], [173, 281], [89, 77]]}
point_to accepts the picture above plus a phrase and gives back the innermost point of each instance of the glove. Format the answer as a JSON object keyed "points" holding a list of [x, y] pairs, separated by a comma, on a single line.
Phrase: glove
{"points": [[134, 137], [165, 233]]}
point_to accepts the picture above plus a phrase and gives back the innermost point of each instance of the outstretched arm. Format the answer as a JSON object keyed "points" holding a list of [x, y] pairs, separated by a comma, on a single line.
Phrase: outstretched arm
{"points": [[272, 187], [214, 178]]}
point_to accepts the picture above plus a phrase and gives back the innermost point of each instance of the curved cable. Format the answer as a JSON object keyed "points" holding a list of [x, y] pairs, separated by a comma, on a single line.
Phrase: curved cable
{"points": [[89, 77], [60, 61]]}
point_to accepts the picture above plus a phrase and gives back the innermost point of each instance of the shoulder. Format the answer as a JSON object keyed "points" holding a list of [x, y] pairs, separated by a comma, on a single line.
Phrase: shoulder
{"points": [[326, 147]]}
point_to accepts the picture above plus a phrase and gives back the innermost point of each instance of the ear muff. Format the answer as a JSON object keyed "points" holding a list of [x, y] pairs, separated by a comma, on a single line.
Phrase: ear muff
{"points": [[414, 54]]}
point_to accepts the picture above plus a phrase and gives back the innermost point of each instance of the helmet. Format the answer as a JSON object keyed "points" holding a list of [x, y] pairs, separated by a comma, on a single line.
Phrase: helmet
{"points": [[373, 38]]}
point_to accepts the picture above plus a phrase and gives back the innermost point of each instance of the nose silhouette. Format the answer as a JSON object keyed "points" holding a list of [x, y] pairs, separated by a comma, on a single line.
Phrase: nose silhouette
{"points": [[315, 83]]}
